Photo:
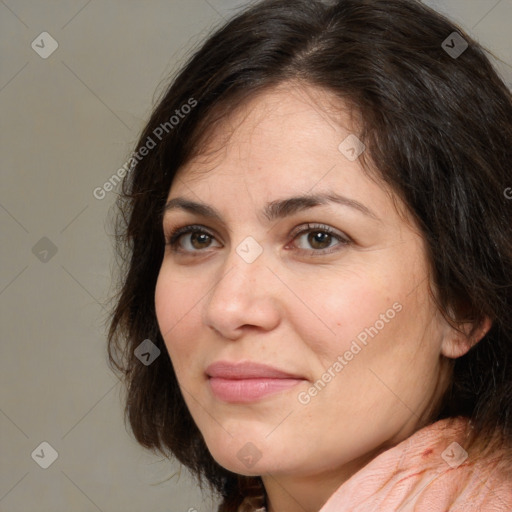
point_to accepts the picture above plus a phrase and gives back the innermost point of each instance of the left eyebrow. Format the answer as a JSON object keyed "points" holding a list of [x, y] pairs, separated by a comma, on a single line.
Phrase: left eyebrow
{"points": [[275, 209]]}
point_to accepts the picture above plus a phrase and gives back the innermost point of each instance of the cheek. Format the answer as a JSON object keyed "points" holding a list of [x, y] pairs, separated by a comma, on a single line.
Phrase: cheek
{"points": [[339, 308], [166, 303], [177, 306]]}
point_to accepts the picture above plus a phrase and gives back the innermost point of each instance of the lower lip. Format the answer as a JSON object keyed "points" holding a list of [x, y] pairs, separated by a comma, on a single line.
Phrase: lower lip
{"points": [[249, 390]]}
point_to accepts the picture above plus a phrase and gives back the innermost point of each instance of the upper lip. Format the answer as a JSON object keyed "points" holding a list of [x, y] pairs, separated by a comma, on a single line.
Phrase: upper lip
{"points": [[247, 370]]}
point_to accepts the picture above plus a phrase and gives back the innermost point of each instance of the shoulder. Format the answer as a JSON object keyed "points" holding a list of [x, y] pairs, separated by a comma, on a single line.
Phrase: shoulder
{"points": [[431, 471]]}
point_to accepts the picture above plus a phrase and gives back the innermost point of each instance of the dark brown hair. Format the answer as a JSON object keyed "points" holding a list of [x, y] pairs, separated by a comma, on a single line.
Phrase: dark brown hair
{"points": [[438, 128]]}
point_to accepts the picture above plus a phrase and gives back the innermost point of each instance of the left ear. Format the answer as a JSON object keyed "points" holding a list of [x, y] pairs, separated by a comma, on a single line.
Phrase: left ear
{"points": [[457, 343]]}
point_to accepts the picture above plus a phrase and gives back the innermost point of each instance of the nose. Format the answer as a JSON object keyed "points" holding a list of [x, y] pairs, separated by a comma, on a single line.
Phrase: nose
{"points": [[245, 295]]}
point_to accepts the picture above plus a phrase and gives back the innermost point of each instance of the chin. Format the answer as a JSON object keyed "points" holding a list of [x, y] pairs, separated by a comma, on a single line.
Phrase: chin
{"points": [[242, 462], [257, 457]]}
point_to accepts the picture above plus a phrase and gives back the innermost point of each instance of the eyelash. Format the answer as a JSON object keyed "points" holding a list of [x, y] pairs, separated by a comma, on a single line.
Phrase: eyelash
{"points": [[173, 238]]}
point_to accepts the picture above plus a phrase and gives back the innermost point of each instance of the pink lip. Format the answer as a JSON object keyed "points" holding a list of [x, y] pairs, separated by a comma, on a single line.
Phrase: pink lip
{"points": [[248, 382]]}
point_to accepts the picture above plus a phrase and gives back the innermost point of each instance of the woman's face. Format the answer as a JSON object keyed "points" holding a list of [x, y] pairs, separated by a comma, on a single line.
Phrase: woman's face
{"points": [[330, 292]]}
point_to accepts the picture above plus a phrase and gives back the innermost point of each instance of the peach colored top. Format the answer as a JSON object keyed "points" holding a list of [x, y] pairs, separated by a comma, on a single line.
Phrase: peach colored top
{"points": [[428, 472]]}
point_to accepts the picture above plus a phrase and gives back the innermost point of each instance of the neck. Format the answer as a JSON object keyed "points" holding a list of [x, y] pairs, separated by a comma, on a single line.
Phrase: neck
{"points": [[309, 493]]}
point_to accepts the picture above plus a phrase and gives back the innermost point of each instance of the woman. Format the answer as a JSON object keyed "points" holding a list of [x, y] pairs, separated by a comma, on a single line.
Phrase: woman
{"points": [[319, 261]]}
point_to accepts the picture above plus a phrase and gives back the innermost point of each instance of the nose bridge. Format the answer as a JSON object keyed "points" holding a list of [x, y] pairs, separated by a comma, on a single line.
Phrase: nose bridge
{"points": [[243, 293], [242, 276]]}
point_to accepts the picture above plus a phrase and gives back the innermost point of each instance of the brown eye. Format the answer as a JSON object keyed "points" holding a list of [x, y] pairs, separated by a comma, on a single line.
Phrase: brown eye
{"points": [[200, 240], [191, 239], [319, 239]]}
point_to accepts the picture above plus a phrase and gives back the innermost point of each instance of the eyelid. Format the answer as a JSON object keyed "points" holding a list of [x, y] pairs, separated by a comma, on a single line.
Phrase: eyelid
{"points": [[176, 232], [343, 239], [312, 226]]}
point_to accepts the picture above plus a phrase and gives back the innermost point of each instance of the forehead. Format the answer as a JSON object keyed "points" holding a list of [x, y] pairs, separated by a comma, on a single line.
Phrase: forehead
{"points": [[284, 142], [274, 129]]}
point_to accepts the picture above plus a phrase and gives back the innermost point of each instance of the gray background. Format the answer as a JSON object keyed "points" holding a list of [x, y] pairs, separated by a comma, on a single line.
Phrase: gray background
{"points": [[68, 123]]}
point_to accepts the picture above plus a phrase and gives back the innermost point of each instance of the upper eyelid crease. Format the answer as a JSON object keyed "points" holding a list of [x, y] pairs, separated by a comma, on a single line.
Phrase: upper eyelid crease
{"points": [[194, 228], [276, 209]]}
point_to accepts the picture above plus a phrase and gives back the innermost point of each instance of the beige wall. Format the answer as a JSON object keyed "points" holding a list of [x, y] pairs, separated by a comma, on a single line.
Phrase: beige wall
{"points": [[68, 123]]}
